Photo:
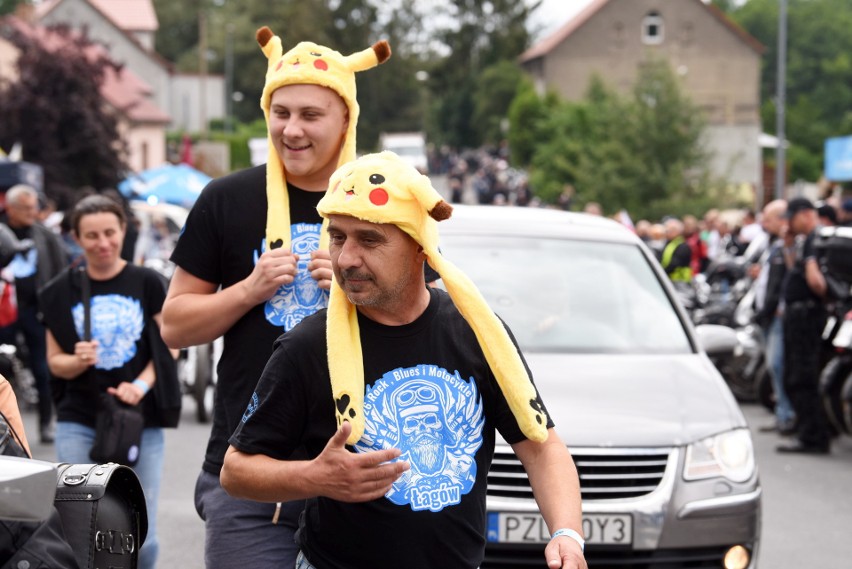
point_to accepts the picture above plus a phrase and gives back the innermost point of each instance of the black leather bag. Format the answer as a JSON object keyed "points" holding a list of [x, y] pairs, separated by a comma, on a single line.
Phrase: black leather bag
{"points": [[118, 434], [103, 513]]}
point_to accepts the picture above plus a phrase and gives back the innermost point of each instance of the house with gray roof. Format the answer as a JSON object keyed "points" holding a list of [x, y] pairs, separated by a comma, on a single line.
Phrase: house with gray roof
{"points": [[718, 63]]}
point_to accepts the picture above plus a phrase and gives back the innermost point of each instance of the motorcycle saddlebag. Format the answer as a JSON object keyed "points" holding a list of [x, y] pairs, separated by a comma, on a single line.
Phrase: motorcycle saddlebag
{"points": [[103, 514], [834, 249]]}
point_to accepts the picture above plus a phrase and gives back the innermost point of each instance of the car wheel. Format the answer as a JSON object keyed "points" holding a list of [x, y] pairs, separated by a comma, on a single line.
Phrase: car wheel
{"points": [[831, 384], [742, 385]]}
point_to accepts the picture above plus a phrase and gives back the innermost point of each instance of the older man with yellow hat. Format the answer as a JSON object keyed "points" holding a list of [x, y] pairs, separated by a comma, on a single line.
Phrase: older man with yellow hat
{"points": [[396, 393]]}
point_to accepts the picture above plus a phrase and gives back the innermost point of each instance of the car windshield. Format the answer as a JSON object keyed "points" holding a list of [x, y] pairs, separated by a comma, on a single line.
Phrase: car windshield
{"points": [[561, 295]]}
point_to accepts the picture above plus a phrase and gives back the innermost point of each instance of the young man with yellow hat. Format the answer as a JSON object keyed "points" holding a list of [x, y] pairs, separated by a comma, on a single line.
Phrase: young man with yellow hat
{"points": [[395, 393], [252, 264]]}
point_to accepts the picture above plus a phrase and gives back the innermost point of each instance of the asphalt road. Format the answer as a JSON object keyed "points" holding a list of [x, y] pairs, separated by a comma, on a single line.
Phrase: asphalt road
{"points": [[807, 502]]}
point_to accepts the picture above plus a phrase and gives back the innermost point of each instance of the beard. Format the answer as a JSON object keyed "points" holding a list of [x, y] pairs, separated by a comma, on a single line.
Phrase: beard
{"points": [[379, 297], [427, 455]]}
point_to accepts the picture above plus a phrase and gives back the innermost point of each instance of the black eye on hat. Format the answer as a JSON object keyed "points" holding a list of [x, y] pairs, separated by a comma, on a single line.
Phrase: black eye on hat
{"points": [[377, 179]]}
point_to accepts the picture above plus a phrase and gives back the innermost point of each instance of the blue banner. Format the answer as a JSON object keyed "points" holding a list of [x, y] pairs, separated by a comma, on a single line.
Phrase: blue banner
{"points": [[838, 159]]}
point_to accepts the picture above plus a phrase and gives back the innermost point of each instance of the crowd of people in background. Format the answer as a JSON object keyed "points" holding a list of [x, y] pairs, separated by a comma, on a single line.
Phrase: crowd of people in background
{"points": [[774, 246]]}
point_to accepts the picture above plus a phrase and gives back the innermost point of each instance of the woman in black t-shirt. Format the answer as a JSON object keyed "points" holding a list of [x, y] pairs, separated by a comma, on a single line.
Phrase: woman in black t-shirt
{"points": [[107, 350]]}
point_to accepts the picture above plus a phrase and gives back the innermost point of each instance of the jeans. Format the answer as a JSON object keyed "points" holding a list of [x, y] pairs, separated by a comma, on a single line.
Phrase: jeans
{"points": [[240, 533], [784, 414], [73, 442]]}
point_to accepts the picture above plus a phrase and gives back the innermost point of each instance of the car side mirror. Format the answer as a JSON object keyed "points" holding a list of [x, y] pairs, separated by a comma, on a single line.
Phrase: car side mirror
{"points": [[28, 488], [717, 340]]}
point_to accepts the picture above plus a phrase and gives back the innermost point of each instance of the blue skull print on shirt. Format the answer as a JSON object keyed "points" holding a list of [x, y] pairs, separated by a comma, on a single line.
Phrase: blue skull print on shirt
{"points": [[436, 418], [117, 324], [293, 302]]}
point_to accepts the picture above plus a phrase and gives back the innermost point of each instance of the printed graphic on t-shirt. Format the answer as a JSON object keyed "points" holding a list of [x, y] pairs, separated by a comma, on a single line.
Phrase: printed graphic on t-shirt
{"points": [[293, 302], [117, 323], [436, 419], [24, 265]]}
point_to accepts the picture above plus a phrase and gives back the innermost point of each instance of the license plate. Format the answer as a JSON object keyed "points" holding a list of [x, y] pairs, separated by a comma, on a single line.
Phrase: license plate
{"points": [[608, 529], [843, 338]]}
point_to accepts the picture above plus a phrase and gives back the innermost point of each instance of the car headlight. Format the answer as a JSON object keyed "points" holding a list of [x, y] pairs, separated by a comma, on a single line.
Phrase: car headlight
{"points": [[730, 455]]}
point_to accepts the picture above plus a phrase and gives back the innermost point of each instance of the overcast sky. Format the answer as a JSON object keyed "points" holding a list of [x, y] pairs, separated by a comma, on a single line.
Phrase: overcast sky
{"points": [[553, 13]]}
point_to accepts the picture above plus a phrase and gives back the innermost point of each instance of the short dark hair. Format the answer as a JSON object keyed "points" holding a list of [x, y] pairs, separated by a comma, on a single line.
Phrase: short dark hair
{"points": [[96, 204]]}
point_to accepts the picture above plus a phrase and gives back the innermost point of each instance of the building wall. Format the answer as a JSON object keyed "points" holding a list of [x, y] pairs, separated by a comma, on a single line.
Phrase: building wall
{"points": [[719, 71], [146, 145], [736, 155], [190, 111], [79, 14]]}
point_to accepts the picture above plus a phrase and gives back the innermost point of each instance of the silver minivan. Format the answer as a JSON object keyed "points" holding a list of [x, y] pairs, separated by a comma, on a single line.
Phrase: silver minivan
{"points": [[666, 461]]}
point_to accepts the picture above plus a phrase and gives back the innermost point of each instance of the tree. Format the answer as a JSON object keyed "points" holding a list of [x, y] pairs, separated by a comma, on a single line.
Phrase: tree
{"points": [[497, 86], [9, 6], [476, 35], [55, 110], [641, 152], [818, 78]]}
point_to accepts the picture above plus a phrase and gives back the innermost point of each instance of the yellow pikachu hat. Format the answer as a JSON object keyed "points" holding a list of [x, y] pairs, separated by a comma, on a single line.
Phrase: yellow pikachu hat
{"points": [[381, 188], [308, 63]]}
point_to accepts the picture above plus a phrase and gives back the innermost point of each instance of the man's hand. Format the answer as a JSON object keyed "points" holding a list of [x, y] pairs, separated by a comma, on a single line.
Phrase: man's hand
{"points": [[350, 477], [274, 268], [320, 268], [564, 553]]}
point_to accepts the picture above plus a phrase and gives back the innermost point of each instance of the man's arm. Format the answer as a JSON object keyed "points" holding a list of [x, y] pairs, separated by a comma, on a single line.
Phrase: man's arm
{"points": [[815, 278], [196, 312], [336, 473], [556, 487]]}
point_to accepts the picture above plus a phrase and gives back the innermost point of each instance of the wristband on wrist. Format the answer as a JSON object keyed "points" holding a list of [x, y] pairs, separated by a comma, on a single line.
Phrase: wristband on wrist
{"points": [[568, 532], [141, 384]]}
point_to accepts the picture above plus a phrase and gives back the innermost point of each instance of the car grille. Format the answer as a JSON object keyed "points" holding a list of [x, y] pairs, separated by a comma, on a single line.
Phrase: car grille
{"points": [[515, 556], [605, 474]]}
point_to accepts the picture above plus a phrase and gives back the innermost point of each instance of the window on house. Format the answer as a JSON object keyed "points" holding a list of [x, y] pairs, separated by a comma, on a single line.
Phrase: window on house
{"points": [[652, 28]]}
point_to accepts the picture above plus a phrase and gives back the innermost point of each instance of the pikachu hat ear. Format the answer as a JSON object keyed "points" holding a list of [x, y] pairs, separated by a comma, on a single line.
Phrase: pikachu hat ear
{"points": [[382, 188], [308, 64]]}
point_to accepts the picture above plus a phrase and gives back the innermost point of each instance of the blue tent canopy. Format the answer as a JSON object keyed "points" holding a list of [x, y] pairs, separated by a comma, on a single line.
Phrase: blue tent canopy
{"points": [[178, 184]]}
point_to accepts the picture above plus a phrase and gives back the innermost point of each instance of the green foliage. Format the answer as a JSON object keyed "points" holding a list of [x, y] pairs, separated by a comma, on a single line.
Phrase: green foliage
{"points": [[9, 6], [476, 35], [494, 92], [818, 78], [640, 152], [527, 114]]}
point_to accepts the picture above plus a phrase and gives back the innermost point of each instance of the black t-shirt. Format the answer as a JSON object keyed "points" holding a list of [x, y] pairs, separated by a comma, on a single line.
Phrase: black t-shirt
{"points": [[221, 242], [24, 267], [796, 288], [431, 393], [121, 310]]}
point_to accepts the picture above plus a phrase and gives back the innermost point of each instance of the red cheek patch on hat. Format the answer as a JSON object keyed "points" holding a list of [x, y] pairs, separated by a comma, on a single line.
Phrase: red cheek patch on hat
{"points": [[378, 196], [321, 65]]}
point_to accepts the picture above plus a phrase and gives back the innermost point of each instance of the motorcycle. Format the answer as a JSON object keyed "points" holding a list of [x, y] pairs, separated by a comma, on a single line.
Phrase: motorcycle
{"points": [[724, 295], [834, 253]]}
